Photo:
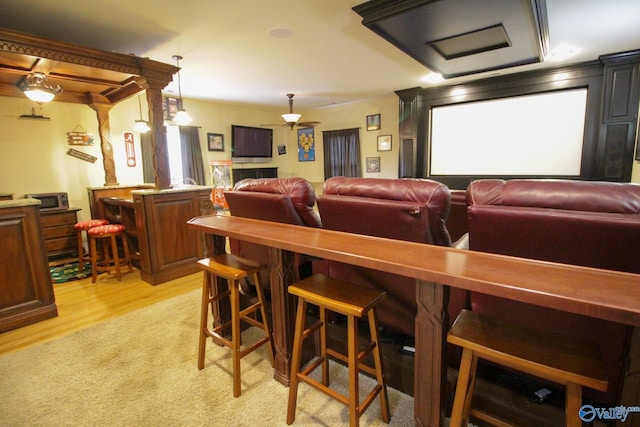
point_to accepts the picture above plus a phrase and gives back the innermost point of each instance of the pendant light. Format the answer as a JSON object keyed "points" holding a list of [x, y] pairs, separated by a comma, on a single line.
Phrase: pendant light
{"points": [[141, 126], [181, 117]]}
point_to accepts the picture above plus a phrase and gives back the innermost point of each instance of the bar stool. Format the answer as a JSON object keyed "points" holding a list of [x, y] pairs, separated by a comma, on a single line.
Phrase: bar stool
{"points": [[561, 359], [108, 232], [233, 269], [85, 226], [354, 302]]}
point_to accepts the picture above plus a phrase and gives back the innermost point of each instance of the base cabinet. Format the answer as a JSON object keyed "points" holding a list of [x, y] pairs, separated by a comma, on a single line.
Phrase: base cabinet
{"points": [[60, 237], [168, 249], [243, 173], [26, 292]]}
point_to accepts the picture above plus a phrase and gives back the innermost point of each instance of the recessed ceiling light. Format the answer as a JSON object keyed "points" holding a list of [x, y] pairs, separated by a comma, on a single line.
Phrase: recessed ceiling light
{"points": [[561, 53], [433, 78], [280, 33]]}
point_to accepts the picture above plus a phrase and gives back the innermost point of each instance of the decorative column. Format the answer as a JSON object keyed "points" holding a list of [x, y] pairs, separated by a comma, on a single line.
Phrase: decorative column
{"points": [[104, 130], [158, 137]]}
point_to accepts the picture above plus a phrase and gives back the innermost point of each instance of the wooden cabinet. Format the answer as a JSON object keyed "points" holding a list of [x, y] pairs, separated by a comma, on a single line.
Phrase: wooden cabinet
{"points": [[58, 232], [26, 293], [242, 173], [168, 249]]}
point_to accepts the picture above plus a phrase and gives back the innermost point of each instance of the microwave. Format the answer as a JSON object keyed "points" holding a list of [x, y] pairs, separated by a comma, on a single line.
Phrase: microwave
{"points": [[51, 201]]}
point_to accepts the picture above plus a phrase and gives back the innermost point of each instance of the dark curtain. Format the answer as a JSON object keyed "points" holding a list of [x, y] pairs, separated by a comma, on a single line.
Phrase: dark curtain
{"points": [[342, 153], [148, 170], [192, 164]]}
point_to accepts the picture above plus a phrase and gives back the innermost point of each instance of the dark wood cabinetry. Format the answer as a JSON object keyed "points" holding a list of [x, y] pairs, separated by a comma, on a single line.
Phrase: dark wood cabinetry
{"points": [[168, 249], [242, 173], [26, 293], [58, 232]]}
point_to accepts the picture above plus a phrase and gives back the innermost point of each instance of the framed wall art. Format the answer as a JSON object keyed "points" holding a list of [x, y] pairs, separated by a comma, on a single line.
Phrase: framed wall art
{"points": [[373, 122], [306, 145], [384, 143], [373, 164], [215, 141]]}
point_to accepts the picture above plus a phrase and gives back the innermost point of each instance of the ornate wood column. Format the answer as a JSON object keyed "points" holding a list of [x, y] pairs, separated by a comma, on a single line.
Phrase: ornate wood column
{"points": [[158, 136], [104, 131]]}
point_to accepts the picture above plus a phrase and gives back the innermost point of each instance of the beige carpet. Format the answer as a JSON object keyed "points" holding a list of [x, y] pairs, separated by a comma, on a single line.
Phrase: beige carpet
{"points": [[140, 370]]}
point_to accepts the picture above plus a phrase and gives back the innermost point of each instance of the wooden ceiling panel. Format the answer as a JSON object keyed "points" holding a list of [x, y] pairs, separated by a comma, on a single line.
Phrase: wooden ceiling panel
{"points": [[85, 74]]}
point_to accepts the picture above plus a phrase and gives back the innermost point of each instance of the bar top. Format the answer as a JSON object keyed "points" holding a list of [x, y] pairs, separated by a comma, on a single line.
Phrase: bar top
{"points": [[18, 202], [605, 294]]}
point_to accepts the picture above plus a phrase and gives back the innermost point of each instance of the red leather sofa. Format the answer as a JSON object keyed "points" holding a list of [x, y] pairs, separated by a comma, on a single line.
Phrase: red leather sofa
{"points": [[285, 200], [594, 224], [404, 209]]}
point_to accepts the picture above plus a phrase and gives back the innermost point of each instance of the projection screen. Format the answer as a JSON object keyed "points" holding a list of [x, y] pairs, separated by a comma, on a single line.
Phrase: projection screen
{"points": [[539, 134]]}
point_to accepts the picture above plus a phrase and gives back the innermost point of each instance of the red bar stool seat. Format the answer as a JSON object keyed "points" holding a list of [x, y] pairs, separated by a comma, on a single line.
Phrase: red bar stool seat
{"points": [[85, 226], [108, 234]]}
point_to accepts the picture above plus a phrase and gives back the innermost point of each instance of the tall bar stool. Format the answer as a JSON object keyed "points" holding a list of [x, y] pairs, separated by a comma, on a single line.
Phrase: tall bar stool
{"points": [[233, 269], [354, 302], [110, 256], [84, 226], [561, 359]]}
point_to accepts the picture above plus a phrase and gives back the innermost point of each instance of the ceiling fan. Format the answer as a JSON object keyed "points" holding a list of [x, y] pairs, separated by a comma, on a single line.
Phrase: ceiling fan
{"points": [[291, 118]]}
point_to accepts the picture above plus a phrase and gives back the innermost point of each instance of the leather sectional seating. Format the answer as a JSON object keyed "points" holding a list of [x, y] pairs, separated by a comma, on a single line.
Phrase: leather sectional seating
{"points": [[404, 209], [285, 200], [593, 224]]}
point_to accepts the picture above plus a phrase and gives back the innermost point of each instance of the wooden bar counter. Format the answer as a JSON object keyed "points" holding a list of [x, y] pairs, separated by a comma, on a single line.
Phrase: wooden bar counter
{"points": [[26, 292], [162, 247], [604, 294]]}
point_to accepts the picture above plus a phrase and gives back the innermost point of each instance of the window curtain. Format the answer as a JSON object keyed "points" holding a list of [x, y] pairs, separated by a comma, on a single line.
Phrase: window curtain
{"points": [[192, 163], [148, 171], [342, 153]]}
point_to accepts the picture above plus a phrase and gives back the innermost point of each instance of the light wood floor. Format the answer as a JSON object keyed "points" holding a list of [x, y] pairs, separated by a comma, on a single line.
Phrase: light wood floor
{"points": [[82, 304]]}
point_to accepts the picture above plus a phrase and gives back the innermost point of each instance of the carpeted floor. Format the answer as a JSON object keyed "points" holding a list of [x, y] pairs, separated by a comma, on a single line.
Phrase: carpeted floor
{"points": [[140, 370]]}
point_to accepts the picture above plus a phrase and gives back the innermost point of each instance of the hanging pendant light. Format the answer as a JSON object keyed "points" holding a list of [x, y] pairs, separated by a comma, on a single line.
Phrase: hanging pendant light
{"points": [[141, 126], [36, 88], [181, 117]]}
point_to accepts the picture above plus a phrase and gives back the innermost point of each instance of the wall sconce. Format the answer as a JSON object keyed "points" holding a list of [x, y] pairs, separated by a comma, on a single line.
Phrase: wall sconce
{"points": [[36, 88], [140, 125]]}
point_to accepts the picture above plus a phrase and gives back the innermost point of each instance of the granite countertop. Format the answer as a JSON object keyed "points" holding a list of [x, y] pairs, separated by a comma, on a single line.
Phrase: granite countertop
{"points": [[18, 202], [177, 189]]}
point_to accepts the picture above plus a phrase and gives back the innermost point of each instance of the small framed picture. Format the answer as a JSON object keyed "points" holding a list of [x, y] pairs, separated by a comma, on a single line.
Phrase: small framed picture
{"points": [[216, 141], [373, 122], [373, 164], [384, 143]]}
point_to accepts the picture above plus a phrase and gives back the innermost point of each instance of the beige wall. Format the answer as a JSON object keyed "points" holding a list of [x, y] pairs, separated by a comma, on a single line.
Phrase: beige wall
{"points": [[35, 160], [34, 152]]}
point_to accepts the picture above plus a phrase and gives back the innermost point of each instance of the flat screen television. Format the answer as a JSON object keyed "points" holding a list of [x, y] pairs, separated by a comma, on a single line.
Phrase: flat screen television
{"points": [[251, 144]]}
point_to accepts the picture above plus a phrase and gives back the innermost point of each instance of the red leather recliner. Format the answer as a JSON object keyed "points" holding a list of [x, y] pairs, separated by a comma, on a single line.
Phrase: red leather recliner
{"points": [[594, 224], [404, 209], [285, 200]]}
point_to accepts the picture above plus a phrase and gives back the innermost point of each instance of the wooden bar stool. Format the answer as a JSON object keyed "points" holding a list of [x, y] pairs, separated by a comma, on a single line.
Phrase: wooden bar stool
{"points": [[354, 302], [233, 269], [108, 234], [561, 359], [85, 226]]}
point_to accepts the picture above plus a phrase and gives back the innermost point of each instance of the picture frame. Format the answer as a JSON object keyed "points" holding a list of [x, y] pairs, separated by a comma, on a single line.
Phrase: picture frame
{"points": [[215, 141], [384, 143], [306, 145], [373, 164], [373, 122]]}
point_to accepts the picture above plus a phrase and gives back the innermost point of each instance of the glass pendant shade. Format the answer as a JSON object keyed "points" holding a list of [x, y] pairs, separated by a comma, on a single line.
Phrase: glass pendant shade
{"points": [[291, 117], [36, 88], [182, 117]]}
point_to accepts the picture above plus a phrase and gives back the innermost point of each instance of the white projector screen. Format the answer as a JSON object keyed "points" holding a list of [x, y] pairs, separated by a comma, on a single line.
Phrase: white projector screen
{"points": [[525, 135]]}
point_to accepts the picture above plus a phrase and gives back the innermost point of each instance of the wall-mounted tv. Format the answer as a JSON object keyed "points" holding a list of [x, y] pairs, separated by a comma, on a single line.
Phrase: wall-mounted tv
{"points": [[251, 144]]}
